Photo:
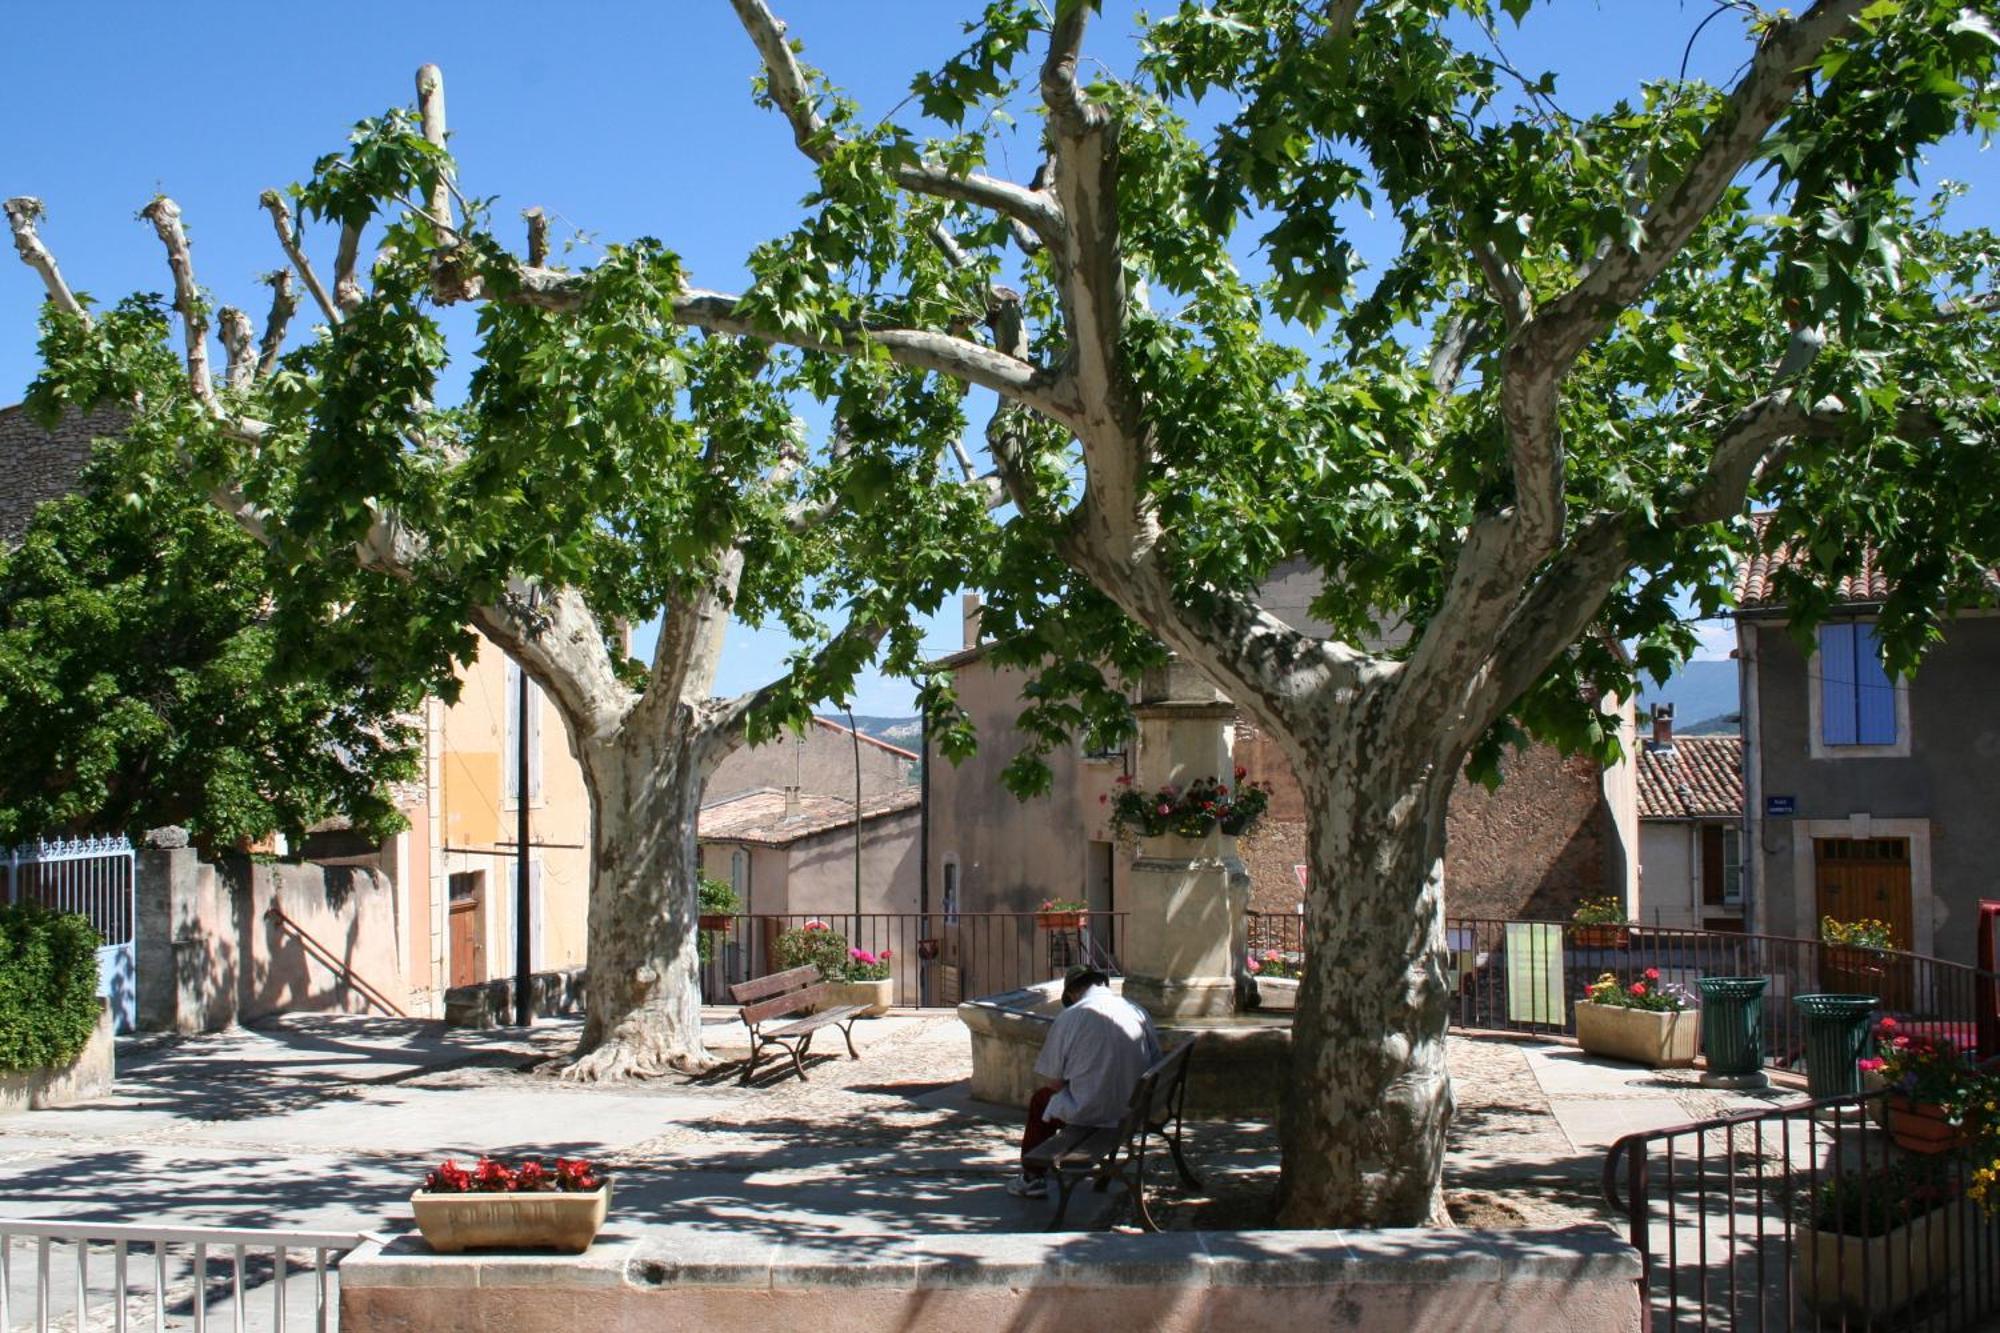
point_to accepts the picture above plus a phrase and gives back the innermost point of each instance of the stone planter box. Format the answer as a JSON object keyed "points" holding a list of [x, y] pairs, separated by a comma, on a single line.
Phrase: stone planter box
{"points": [[1663, 1040], [566, 1223], [874, 997], [1060, 920], [1900, 1265], [1277, 992], [86, 1078]]}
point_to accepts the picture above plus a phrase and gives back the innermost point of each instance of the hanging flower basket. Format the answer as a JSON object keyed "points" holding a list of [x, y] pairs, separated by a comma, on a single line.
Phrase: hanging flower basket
{"points": [[1060, 920], [1600, 937], [715, 920], [1923, 1127], [928, 950]]}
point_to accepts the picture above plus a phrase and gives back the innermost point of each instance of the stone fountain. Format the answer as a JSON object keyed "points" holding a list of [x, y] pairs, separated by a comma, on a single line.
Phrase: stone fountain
{"points": [[1186, 934]]}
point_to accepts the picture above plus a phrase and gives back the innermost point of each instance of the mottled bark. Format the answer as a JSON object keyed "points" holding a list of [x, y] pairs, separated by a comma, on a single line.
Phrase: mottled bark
{"points": [[643, 1015], [1363, 1129]]}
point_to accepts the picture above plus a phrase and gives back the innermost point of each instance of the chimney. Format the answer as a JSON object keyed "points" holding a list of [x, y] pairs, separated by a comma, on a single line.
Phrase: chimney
{"points": [[969, 609], [1663, 727], [792, 802]]}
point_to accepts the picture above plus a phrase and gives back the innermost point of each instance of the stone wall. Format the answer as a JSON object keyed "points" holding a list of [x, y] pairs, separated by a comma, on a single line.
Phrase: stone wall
{"points": [[38, 465], [86, 1078], [1583, 1280], [211, 951], [1534, 847]]}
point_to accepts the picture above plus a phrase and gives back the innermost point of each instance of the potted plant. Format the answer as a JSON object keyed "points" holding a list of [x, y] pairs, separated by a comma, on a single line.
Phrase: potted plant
{"points": [[1062, 914], [1647, 1021], [718, 904], [531, 1206], [1191, 812], [852, 976], [1277, 974], [1599, 923], [1930, 1085], [1852, 956], [1872, 1240]]}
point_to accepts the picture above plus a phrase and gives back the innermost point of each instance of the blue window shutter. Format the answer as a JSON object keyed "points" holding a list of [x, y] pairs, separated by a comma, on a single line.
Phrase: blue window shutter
{"points": [[1875, 694], [1837, 710]]}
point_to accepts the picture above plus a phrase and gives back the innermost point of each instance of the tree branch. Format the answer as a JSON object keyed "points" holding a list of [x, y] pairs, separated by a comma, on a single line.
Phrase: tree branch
{"points": [[284, 304], [239, 342], [165, 215], [558, 641], [347, 293], [787, 84], [1784, 60], [1455, 339], [23, 212], [727, 722], [1070, 108], [716, 312], [430, 113], [538, 236], [281, 220]]}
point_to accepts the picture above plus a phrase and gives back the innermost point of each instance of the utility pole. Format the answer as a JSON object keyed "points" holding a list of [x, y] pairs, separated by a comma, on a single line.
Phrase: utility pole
{"points": [[524, 1004], [855, 732]]}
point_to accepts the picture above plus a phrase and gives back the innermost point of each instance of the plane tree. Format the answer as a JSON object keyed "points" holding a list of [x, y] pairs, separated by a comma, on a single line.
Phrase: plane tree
{"points": [[1526, 438]]}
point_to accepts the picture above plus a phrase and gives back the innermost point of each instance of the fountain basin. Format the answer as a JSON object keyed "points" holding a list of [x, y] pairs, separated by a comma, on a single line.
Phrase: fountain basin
{"points": [[1240, 1067]]}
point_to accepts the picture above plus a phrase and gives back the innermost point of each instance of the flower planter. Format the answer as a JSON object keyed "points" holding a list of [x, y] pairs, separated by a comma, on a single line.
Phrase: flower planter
{"points": [[1663, 1039], [1921, 1127], [1060, 920], [874, 997], [1599, 937], [566, 1223], [928, 950], [715, 920], [1869, 1276], [1277, 992]]}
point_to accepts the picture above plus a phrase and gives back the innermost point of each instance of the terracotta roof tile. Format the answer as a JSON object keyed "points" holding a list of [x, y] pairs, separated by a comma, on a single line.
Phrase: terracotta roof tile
{"points": [[759, 816], [1697, 777], [1756, 588]]}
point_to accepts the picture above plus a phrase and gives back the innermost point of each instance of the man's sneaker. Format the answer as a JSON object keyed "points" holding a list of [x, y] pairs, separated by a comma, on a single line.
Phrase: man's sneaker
{"points": [[1028, 1187]]}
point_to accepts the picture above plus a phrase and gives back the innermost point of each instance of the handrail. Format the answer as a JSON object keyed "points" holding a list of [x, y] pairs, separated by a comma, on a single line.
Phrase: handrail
{"points": [[71, 1229], [327, 958]]}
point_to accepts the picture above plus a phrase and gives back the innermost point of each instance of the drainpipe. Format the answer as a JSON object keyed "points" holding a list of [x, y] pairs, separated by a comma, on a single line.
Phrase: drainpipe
{"points": [[923, 848], [1750, 724], [855, 732]]}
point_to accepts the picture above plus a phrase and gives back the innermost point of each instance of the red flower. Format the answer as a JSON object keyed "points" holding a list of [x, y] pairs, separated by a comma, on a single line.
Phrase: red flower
{"points": [[1241, 772], [1124, 779], [532, 1175], [1652, 974], [492, 1177], [1103, 797], [1886, 1026], [1638, 988], [1868, 1065]]}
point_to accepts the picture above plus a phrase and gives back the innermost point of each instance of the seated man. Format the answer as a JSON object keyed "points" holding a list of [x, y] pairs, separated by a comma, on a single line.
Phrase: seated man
{"points": [[1096, 1051]]}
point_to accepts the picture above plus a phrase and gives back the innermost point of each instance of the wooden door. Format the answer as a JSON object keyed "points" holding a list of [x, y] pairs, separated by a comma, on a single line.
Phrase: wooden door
{"points": [[467, 938], [1868, 878]]}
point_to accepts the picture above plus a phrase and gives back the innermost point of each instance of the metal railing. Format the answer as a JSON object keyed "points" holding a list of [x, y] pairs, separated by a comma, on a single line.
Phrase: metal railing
{"points": [[1722, 1213], [112, 1275], [935, 960], [1527, 976]]}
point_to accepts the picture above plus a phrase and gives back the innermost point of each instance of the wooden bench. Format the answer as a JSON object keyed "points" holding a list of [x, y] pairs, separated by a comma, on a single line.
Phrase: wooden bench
{"points": [[1104, 1155], [782, 995]]}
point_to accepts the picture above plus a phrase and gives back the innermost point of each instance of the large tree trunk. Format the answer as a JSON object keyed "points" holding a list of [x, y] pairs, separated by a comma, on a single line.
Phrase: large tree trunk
{"points": [[643, 1013], [1364, 1122]]}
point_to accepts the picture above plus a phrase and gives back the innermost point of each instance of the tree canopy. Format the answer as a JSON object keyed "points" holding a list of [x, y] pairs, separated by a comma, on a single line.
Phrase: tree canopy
{"points": [[143, 682]]}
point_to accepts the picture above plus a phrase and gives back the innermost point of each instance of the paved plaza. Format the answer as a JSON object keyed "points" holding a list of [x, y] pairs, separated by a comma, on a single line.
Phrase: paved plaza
{"points": [[328, 1122]]}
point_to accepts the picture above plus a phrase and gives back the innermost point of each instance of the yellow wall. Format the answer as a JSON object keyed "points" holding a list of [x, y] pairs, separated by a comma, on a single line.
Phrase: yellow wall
{"points": [[478, 816]]}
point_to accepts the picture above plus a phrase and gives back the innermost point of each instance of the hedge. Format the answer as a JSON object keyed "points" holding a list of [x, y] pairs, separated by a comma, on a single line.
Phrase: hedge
{"points": [[48, 986]]}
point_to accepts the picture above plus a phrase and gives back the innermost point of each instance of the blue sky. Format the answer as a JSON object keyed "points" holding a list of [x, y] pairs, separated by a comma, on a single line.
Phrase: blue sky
{"points": [[620, 120]]}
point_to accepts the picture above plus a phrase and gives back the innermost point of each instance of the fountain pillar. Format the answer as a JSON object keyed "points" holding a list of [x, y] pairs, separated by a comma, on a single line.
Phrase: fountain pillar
{"points": [[1186, 898]]}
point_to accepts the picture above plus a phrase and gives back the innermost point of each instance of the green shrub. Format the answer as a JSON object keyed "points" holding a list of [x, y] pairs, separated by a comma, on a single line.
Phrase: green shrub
{"points": [[714, 898], [48, 986]]}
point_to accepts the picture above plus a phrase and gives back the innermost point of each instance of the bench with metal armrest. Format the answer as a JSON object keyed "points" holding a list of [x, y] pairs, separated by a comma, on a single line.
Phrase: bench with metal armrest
{"points": [[1077, 1152], [796, 992]]}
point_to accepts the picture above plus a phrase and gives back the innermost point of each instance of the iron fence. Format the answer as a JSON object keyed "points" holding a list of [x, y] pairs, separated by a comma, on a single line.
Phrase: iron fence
{"points": [[935, 959], [96, 878], [1804, 1216]]}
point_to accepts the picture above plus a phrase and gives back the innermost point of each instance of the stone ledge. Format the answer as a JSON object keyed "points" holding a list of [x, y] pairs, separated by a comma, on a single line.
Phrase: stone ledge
{"points": [[1580, 1278]]}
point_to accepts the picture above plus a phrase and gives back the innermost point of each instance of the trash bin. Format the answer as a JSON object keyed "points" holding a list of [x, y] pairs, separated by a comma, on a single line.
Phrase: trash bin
{"points": [[1732, 1031], [1836, 1039]]}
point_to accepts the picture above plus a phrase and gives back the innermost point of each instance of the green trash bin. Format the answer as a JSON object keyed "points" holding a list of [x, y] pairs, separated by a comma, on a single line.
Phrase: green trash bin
{"points": [[1836, 1040], [1732, 1031]]}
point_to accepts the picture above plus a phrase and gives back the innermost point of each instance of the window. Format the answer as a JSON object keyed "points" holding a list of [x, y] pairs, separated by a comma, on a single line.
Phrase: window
{"points": [[1857, 700], [739, 877], [1732, 866], [951, 891], [510, 762]]}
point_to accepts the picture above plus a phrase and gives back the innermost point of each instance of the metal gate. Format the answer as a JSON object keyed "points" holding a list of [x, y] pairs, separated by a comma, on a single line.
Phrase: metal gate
{"points": [[95, 877]]}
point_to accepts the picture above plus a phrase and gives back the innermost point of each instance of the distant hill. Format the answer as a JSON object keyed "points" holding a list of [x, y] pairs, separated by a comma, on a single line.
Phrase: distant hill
{"points": [[907, 732], [1704, 696]]}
